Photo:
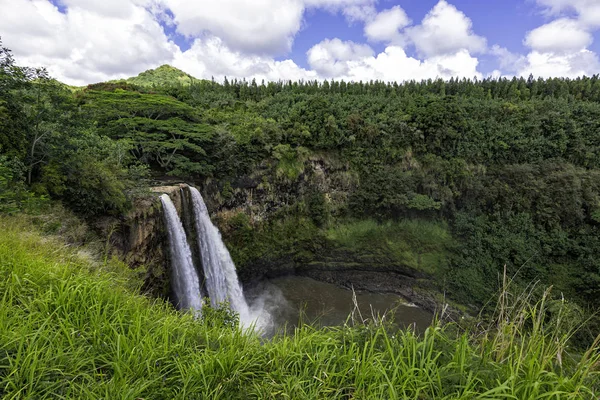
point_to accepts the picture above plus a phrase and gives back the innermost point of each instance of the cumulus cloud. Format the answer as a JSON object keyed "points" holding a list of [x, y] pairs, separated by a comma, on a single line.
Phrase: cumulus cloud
{"points": [[85, 44], [547, 64], [571, 65], [560, 36], [587, 10], [353, 62], [210, 57], [89, 41], [109, 8], [360, 13], [258, 26], [331, 58], [445, 30], [94, 41], [560, 47], [386, 25], [509, 61]]}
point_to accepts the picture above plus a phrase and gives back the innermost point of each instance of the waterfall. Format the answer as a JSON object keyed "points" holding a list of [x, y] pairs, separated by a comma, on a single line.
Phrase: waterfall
{"points": [[221, 278], [185, 282]]}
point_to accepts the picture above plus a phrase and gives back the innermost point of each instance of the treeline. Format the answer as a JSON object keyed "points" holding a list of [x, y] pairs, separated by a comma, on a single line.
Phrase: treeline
{"points": [[511, 166], [582, 88]]}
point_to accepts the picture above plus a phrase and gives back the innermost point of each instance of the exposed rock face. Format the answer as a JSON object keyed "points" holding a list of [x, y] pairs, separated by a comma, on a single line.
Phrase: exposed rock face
{"points": [[353, 270], [142, 239], [263, 193]]}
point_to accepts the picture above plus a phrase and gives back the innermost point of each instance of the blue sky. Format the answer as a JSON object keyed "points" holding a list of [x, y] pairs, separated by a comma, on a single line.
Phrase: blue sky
{"points": [[502, 22], [84, 41]]}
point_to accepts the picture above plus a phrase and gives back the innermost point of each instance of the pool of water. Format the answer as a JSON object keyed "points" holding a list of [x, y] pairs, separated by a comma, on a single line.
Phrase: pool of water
{"points": [[293, 299]]}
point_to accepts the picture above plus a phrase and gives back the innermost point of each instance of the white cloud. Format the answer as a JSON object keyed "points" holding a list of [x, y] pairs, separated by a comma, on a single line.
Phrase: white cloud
{"points": [[96, 41], [353, 62], [360, 13], [547, 64], [560, 47], [84, 45], [210, 57], [509, 61], [571, 65], [588, 10], [445, 30], [108, 8], [330, 57], [560, 36], [386, 25], [496, 74], [258, 26], [335, 5]]}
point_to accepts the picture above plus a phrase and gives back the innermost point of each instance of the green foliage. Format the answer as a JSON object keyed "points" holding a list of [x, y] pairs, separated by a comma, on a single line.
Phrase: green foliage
{"points": [[510, 167], [421, 202], [161, 131], [419, 244], [291, 236], [221, 317], [14, 194], [290, 161], [56, 151], [161, 76], [318, 208], [69, 331]]}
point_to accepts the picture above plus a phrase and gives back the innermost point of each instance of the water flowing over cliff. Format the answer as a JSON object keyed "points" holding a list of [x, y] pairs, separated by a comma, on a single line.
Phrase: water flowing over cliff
{"points": [[184, 278], [213, 264], [222, 281]]}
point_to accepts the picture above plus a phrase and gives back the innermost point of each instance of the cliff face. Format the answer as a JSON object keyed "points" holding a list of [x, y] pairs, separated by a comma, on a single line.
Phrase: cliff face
{"points": [[141, 239], [263, 201], [269, 189], [277, 224]]}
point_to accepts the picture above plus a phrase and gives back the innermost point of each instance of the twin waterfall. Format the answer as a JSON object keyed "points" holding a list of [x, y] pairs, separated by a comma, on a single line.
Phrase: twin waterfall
{"points": [[220, 276]]}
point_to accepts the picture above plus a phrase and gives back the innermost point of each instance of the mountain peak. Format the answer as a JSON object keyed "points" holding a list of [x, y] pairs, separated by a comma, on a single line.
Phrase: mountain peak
{"points": [[165, 74]]}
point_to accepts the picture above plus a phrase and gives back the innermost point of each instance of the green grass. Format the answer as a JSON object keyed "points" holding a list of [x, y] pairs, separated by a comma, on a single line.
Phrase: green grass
{"points": [[69, 331], [418, 244]]}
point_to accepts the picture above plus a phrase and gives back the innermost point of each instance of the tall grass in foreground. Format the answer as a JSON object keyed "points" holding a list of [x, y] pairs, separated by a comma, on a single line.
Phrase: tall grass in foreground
{"points": [[69, 333]]}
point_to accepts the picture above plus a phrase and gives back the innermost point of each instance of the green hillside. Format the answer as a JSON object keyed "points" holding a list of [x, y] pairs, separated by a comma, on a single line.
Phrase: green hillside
{"points": [[163, 75]]}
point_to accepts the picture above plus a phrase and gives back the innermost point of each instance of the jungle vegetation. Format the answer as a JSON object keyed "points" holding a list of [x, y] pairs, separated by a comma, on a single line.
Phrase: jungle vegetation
{"points": [[477, 174], [471, 181]]}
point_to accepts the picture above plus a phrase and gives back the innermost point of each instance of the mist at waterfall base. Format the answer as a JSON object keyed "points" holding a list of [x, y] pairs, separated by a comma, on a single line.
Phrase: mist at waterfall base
{"points": [[272, 304]]}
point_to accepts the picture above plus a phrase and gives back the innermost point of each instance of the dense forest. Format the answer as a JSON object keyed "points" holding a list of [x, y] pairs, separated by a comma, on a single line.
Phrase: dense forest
{"points": [[459, 180], [501, 172]]}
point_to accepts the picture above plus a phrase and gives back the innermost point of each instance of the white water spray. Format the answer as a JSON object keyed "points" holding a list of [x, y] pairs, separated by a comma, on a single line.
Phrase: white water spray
{"points": [[185, 282], [221, 278]]}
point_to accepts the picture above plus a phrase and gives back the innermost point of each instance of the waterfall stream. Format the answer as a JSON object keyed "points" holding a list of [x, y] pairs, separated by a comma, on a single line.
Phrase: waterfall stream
{"points": [[184, 277], [222, 281]]}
